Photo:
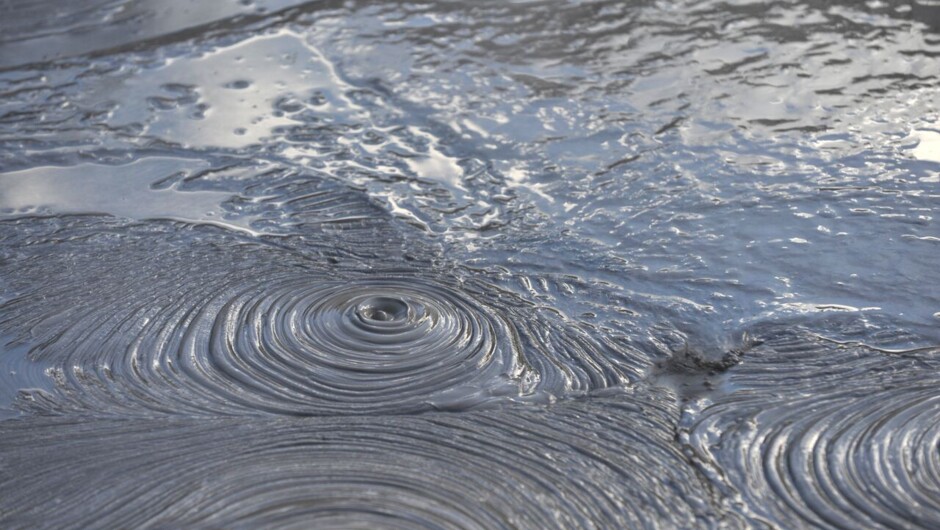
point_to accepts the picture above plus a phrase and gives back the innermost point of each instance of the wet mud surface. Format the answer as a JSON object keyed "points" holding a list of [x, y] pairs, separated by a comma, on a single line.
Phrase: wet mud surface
{"points": [[451, 265]]}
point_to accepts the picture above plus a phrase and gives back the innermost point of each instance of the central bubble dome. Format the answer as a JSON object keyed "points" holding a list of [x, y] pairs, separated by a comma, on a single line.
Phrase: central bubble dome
{"points": [[383, 309]]}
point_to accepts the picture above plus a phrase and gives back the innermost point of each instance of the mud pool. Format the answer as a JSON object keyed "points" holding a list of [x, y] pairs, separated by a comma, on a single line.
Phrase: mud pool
{"points": [[642, 264]]}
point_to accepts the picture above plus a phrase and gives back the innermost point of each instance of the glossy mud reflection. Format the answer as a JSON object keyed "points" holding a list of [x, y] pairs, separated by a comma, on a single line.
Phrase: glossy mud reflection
{"points": [[449, 265]]}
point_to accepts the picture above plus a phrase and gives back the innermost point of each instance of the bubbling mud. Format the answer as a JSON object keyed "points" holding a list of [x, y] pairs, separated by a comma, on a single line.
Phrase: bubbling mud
{"points": [[215, 322], [364, 346], [284, 263]]}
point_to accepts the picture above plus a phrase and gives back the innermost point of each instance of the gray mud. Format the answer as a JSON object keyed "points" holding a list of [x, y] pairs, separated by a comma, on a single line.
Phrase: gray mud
{"points": [[469, 265]]}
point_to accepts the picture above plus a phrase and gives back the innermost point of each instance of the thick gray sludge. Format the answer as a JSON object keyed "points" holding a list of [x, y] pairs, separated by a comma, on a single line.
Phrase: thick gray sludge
{"points": [[220, 324], [573, 264], [827, 434], [592, 465]]}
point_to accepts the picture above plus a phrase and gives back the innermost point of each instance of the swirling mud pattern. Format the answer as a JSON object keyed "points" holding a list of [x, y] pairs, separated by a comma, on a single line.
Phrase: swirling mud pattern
{"points": [[472, 470], [292, 264], [214, 324], [373, 344], [850, 439]]}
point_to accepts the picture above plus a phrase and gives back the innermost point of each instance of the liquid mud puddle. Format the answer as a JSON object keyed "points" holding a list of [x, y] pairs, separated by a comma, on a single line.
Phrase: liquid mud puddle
{"points": [[289, 264]]}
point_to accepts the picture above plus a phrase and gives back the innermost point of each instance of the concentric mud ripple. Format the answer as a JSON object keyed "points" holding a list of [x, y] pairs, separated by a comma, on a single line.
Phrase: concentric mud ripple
{"points": [[181, 319], [188, 332], [608, 464], [821, 434], [296, 345]]}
